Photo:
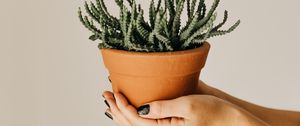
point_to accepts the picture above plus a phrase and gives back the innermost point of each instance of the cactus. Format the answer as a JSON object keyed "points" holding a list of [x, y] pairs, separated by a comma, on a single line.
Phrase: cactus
{"points": [[163, 33]]}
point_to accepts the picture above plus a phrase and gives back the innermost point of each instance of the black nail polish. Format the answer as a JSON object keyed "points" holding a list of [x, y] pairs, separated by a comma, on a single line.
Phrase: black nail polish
{"points": [[106, 103], [108, 115], [109, 79], [144, 110]]}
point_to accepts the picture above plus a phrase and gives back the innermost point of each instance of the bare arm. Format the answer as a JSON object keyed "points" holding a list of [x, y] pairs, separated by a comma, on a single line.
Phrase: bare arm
{"points": [[273, 117]]}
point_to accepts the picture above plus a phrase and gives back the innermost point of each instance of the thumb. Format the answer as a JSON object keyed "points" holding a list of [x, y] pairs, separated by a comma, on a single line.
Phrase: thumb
{"points": [[180, 108]]}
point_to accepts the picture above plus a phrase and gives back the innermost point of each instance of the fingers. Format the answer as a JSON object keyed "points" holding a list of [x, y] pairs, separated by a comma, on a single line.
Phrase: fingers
{"points": [[180, 108], [114, 110], [111, 115], [123, 113], [128, 110]]}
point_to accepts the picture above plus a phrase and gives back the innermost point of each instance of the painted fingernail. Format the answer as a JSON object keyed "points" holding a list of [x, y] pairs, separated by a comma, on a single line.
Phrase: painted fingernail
{"points": [[109, 79], [108, 115], [144, 110], [106, 103]]}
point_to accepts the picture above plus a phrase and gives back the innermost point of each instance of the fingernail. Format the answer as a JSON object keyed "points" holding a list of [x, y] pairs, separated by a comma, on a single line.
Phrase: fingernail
{"points": [[109, 79], [144, 110], [108, 115], [106, 103]]}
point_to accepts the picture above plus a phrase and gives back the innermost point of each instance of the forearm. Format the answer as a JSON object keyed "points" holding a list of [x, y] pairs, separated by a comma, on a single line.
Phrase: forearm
{"points": [[270, 116], [240, 117]]}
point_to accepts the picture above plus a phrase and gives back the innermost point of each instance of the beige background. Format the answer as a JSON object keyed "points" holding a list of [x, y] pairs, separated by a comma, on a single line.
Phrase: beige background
{"points": [[52, 75]]}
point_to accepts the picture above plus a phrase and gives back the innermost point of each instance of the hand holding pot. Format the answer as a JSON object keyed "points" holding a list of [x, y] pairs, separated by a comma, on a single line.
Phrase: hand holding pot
{"points": [[193, 110]]}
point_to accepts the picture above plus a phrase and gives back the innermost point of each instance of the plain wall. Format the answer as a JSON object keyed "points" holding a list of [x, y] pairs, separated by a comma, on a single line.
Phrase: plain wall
{"points": [[52, 75]]}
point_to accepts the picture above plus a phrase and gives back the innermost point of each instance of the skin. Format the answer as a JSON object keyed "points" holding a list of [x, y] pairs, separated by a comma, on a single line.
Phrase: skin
{"points": [[208, 107], [193, 110], [271, 116]]}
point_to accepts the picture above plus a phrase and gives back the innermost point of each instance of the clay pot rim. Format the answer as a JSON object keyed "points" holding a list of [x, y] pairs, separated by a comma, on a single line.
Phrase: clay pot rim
{"points": [[204, 46]]}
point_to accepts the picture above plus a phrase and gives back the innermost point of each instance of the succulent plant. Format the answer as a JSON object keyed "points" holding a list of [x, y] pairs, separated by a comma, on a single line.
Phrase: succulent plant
{"points": [[162, 33]]}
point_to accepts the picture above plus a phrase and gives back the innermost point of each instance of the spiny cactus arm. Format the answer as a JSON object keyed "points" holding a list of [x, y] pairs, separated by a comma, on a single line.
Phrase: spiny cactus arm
{"points": [[104, 36], [186, 33], [144, 23], [142, 48], [103, 15], [201, 9], [158, 6], [127, 39], [193, 5], [188, 8], [200, 5], [106, 41], [160, 47], [159, 29], [85, 21], [130, 2], [165, 41], [157, 25], [90, 13], [115, 40], [170, 6], [152, 14], [222, 23], [93, 37], [203, 39], [123, 20], [156, 29], [100, 14], [164, 22], [95, 9], [101, 6], [103, 26], [171, 9], [191, 8], [223, 32], [104, 45], [199, 32], [119, 3], [141, 30], [177, 1], [151, 38], [137, 37], [209, 14], [177, 20]]}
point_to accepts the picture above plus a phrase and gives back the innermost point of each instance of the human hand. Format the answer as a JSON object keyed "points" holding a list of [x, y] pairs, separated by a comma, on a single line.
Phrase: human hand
{"points": [[193, 110]]}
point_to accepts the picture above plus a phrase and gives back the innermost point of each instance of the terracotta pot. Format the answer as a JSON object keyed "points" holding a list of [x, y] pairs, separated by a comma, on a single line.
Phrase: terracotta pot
{"points": [[146, 77]]}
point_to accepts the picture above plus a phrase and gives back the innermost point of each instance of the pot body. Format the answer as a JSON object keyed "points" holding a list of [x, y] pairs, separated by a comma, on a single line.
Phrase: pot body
{"points": [[146, 77]]}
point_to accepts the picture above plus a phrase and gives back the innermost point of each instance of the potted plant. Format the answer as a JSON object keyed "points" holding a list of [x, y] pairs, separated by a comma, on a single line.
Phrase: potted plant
{"points": [[157, 59]]}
